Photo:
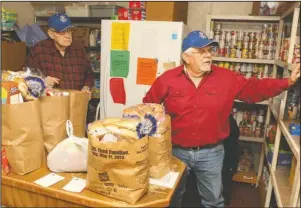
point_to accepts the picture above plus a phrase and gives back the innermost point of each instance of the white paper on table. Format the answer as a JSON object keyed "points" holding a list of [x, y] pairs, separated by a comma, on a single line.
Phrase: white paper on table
{"points": [[50, 179], [75, 185], [167, 181]]}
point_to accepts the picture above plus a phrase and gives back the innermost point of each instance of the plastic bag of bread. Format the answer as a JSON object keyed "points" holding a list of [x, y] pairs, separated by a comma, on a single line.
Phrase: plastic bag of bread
{"points": [[117, 159], [70, 155], [157, 125]]}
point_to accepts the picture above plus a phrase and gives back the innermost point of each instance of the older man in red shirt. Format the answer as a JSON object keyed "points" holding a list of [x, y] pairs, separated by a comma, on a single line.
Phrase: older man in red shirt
{"points": [[64, 63], [199, 97]]}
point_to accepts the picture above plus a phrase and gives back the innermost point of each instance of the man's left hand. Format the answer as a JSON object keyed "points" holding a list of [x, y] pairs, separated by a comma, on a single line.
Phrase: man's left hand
{"points": [[295, 74], [86, 89]]}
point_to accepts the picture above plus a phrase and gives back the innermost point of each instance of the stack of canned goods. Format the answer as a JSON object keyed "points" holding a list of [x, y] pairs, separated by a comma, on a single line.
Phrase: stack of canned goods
{"points": [[248, 70], [284, 47], [247, 45]]}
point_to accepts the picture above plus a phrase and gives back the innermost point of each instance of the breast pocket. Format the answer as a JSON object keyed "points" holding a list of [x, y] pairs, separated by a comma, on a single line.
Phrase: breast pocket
{"points": [[214, 99], [177, 100]]}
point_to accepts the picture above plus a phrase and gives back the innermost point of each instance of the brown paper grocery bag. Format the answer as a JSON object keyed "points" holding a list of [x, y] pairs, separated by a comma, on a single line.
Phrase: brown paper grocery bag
{"points": [[54, 114], [22, 136], [160, 154], [119, 169], [78, 106]]}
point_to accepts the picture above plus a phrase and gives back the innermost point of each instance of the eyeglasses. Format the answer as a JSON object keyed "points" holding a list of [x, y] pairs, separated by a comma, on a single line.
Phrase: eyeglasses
{"points": [[67, 31], [202, 51]]}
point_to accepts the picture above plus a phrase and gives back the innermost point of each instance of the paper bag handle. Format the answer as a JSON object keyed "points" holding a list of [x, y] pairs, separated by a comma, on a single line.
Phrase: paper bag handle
{"points": [[69, 128]]}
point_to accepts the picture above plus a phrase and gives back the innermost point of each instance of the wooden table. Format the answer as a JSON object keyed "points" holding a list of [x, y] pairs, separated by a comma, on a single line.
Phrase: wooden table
{"points": [[21, 191]]}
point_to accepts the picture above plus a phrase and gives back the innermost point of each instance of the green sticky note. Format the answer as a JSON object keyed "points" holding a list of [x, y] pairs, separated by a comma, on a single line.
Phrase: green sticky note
{"points": [[120, 62]]}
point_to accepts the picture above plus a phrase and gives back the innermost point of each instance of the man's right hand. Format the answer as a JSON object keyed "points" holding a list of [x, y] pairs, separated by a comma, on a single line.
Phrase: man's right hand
{"points": [[51, 81]]}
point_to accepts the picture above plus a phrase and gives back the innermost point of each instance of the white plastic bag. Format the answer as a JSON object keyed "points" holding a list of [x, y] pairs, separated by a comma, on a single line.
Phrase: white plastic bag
{"points": [[70, 155]]}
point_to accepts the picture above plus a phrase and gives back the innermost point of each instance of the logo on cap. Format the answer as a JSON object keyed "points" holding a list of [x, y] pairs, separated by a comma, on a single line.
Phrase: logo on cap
{"points": [[63, 18], [202, 35]]}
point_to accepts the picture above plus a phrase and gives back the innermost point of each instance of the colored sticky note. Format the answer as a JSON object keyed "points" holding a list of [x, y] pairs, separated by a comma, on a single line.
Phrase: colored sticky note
{"points": [[169, 65], [117, 90], [146, 71], [120, 36], [120, 61]]}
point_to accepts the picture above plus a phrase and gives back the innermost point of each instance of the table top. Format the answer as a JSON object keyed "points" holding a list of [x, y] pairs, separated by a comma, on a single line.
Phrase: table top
{"points": [[156, 197]]}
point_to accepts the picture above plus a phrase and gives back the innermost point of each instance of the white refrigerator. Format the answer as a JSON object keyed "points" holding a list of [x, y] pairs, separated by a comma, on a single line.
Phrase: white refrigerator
{"points": [[133, 54]]}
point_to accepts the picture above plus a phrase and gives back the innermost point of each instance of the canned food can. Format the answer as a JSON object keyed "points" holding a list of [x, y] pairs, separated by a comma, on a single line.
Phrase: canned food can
{"points": [[251, 45], [275, 28], [239, 43], [227, 51], [246, 37], [264, 27], [221, 52], [239, 35], [249, 54], [245, 44], [237, 67], [233, 35], [221, 43], [228, 36], [260, 54], [221, 64], [233, 53], [223, 36], [216, 38], [238, 53], [264, 36], [253, 54], [226, 65], [252, 36], [244, 53]]}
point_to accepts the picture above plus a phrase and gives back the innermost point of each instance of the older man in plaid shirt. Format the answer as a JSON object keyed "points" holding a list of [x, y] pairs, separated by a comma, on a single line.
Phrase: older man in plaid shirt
{"points": [[64, 63]]}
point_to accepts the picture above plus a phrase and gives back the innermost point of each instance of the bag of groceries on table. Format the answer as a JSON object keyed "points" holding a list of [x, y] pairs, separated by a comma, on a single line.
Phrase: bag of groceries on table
{"points": [[159, 144], [58, 106], [118, 159], [70, 155]]}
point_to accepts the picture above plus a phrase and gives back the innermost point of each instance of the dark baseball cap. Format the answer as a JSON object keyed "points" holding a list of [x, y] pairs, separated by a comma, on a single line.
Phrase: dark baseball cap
{"points": [[197, 39]]}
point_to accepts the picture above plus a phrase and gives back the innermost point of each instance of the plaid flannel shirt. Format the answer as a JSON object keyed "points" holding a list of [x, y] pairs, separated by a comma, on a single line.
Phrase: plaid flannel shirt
{"points": [[73, 69]]}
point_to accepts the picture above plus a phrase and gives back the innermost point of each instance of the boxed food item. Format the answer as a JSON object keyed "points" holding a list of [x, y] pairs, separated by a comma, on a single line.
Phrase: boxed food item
{"points": [[124, 14], [284, 157], [10, 93], [117, 159], [105, 11], [138, 15]]}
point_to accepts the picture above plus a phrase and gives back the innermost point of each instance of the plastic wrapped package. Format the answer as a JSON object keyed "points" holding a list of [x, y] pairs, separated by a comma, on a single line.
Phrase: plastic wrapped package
{"points": [[70, 155]]}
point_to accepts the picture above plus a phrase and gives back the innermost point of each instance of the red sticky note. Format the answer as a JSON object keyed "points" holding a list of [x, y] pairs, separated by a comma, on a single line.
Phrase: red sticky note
{"points": [[117, 90]]}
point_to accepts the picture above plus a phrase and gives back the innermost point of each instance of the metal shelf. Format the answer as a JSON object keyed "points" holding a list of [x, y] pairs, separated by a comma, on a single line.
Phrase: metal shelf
{"points": [[246, 18], [240, 60], [251, 139], [265, 102], [91, 20]]}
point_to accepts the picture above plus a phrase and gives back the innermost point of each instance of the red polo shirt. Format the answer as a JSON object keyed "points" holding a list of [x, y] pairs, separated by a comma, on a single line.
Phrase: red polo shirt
{"points": [[73, 69], [200, 116]]}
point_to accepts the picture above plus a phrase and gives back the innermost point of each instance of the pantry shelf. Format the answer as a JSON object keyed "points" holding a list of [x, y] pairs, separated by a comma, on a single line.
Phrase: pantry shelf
{"points": [[245, 18], [91, 20], [283, 64], [240, 60], [245, 177], [281, 185], [293, 141], [265, 102], [251, 139]]}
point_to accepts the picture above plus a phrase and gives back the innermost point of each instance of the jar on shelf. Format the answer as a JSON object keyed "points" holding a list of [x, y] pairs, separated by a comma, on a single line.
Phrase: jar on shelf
{"points": [[249, 70], [243, 69]]}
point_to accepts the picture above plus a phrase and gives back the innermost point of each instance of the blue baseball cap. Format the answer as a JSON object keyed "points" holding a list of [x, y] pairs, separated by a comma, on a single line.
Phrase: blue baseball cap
{"points": [[59, 22], [197, 39]]}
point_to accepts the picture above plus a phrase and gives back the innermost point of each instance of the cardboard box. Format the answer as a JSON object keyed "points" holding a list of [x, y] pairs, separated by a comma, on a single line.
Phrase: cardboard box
{"points": [[167, 11], [13, 55], [81, 34]]}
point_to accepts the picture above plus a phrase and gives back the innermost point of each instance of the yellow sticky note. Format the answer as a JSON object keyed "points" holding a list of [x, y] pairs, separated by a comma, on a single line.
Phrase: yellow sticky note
{"points": [[120, 36]]}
